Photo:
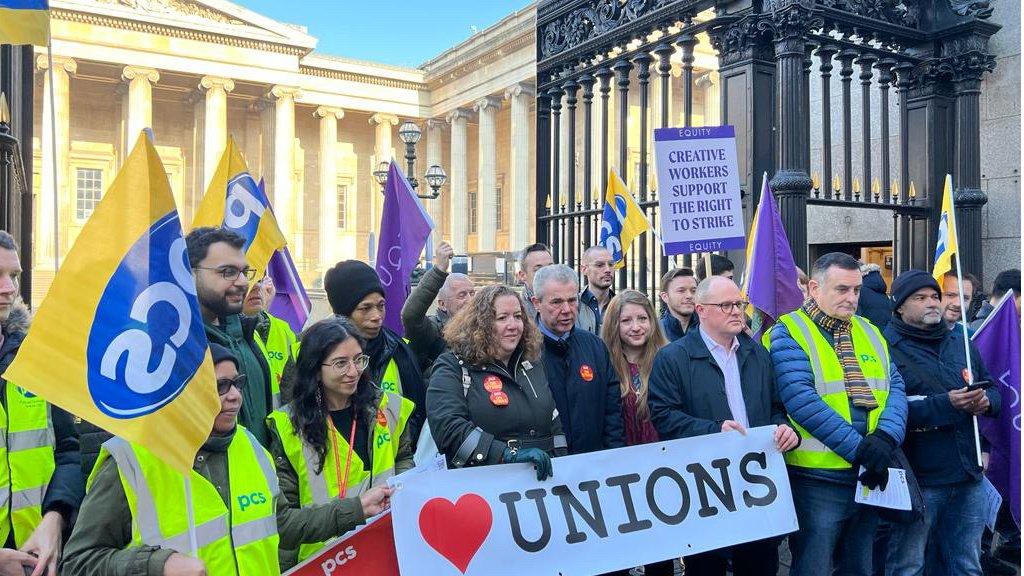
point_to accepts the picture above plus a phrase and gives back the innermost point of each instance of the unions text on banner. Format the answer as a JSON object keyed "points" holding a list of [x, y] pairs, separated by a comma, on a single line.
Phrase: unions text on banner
{"points": [[600, 512], [698, 189]]}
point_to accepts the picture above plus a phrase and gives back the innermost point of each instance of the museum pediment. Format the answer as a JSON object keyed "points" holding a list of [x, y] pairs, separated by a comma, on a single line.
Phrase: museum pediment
{"points": [[212, 16]]}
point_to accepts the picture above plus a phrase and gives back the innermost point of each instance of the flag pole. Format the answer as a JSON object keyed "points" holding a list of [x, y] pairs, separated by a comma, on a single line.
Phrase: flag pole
{"points": [[193, 542], [53, 153], [963, 315]]}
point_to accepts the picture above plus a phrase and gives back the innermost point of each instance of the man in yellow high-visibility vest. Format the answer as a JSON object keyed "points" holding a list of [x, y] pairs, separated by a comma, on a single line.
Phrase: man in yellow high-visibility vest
{"points": [[41, 483], [845, 398]]}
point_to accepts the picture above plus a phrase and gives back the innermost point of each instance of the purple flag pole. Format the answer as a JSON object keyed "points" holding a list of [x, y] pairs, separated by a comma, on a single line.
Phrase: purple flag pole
{"points": [[404, 229], [770, 281], [998, 343]]}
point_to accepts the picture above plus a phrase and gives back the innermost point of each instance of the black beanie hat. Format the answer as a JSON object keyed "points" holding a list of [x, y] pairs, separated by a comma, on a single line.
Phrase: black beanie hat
{"points": [[348, 283], [909, 282], [222, 354]]}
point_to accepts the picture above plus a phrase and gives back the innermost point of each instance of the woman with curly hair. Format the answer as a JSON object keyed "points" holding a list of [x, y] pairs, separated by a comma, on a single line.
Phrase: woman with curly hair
{"points": [[488, 401], [339, 425]]}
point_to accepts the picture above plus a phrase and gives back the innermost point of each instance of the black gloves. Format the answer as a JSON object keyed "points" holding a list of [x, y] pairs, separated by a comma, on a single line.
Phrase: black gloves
{"points": [[539, 458], [875, 455]]}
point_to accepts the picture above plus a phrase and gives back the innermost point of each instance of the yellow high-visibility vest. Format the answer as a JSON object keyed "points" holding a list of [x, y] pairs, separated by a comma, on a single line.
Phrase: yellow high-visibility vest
{"points": [[239, 541], [26, 462], [277, 349], [873, 358], [317, 488]]}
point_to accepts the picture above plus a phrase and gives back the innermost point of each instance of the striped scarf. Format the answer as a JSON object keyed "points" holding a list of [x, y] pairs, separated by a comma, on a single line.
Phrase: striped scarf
{"points": [[857, 389]]}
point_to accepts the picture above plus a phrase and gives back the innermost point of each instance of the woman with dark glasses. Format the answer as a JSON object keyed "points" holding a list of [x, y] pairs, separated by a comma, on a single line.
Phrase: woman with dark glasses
{"points": [[340, 437]]}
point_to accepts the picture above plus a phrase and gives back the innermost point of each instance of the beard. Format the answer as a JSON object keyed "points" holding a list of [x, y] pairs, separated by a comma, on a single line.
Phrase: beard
{"points": [[217, 302]]}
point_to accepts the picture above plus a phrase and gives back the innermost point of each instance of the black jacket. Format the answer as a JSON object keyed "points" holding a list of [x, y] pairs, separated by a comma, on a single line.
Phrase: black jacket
{"points": [[674, 328], [687, 389], [470, 430], [382, 350], [66, 490], [586, 391], [940, 438], [875, 304]]}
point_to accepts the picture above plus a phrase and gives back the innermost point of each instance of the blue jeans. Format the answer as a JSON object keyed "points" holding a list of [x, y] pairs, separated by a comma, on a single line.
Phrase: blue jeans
{"points": [[949, 534], [833, 529]]}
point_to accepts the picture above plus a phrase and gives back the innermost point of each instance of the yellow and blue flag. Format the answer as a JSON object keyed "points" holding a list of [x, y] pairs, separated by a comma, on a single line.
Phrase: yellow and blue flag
{"points": [[946, 246], [25, 22], [621, 221], [235, 201], [119, 340]]}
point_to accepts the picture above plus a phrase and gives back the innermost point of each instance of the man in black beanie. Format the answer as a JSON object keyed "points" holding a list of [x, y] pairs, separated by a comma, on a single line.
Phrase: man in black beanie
{"points": [[354, 290], [940, 442]]}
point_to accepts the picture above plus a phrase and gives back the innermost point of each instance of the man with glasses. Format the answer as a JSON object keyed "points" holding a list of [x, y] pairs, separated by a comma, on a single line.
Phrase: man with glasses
{"points": [[222, 281], [839, 386], [578, 368], [134, 517], [718, 379]]}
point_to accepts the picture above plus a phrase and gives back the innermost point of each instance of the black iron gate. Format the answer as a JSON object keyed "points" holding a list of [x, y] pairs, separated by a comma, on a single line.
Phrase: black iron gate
{"points": [[932, 52]]}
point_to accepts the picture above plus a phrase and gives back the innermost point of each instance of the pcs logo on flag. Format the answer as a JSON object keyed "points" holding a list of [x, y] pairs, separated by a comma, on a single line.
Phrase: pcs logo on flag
{"points": [[244, 207], [147, 338]]}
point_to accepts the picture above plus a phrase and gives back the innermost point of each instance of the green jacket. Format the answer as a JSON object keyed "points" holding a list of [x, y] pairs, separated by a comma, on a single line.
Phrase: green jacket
{"points": [[288, 479], [238, 334], [99, 543], [424, 332]]}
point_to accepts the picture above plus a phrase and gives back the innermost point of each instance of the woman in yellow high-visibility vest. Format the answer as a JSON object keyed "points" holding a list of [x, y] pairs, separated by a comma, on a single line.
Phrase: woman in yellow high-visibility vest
{"points": [[338, 426]]}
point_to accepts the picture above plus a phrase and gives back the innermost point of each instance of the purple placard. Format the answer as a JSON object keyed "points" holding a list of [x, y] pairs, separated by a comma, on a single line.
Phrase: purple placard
{"points": [[693, 133]]}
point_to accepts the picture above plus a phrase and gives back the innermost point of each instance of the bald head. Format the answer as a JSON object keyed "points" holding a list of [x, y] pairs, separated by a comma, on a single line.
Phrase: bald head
{"points": [[720, 307], [456, 291]]}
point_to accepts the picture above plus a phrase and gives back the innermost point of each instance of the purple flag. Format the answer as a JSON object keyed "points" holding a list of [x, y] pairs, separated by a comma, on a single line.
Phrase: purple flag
{"points": [[404, 229], [290, 303], [770, 278], [998, 342]]}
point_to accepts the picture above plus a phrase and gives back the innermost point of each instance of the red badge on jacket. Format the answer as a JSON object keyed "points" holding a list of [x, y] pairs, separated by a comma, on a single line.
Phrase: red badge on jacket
{"points": [[586, 372], [499, 398], [381, 418], [492, 383]]}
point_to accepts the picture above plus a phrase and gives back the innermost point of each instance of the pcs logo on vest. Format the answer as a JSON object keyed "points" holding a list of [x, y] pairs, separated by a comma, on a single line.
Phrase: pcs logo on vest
{"points": [[246, 500], [147, 338], [868, 358]]}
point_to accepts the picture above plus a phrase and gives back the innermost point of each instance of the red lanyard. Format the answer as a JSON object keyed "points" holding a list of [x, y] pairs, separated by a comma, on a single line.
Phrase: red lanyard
{"points": [[342, 480]]}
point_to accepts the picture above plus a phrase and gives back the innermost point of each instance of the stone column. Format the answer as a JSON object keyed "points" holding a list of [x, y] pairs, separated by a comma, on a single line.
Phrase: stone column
{"points": [[435, 136], [139, 112], [55, 146], [712, 97], [215, 123], [487, 220], [328, 182], [285, 204], [459, 210], [519, 166], [383, 151]]}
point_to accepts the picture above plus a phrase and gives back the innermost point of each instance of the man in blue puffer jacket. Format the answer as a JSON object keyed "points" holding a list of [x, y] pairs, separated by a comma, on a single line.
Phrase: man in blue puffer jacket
{"points": [[846, 398]]}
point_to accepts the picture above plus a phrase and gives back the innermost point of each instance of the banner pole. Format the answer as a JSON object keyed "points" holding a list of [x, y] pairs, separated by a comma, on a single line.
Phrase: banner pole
{"points": [[53, 152], [193, 543], [963, 318]]}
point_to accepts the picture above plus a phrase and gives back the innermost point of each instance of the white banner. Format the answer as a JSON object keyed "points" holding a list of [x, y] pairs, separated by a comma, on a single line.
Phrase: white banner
{"points": [[599, 512]]}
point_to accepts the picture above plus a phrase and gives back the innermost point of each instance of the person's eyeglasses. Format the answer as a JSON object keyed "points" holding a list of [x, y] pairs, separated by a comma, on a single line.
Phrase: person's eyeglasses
{"points": [[230, 273], [342, 364], [728, 307], [225, 384]]}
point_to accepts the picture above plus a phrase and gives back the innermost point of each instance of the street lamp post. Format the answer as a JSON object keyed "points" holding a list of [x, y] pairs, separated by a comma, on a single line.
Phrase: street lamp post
{"points": [[435, 175]]}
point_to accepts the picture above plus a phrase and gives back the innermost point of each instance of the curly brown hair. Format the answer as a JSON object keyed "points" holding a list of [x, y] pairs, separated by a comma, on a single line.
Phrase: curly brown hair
{"points": [[470, 334]]}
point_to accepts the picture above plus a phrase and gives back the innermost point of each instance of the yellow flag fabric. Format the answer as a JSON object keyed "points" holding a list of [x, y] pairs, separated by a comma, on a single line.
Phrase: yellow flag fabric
{"points": [[621, 221], [25, 22], [119, 340], [235, 201], [946, 246]]}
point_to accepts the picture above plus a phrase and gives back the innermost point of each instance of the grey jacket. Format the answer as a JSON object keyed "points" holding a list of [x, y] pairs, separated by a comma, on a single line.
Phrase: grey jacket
{"points": [[423, 332]]}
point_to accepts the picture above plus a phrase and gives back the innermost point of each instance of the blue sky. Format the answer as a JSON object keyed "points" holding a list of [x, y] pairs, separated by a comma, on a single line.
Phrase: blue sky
{"points": [[373, 30]]}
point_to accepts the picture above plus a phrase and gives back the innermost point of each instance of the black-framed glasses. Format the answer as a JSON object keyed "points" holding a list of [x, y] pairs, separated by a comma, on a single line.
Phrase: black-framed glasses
{"points": [[342, 364], [728, 307], [225, 384], [230, 273]]}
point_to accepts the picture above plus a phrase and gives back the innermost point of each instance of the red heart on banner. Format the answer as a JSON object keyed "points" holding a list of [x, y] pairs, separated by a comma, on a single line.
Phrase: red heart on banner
{"points": [[456, 531]]}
